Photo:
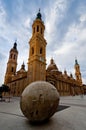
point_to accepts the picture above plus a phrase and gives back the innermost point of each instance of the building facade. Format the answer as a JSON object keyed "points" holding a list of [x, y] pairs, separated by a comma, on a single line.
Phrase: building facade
{"points": [[65, 84], [18, 80]]}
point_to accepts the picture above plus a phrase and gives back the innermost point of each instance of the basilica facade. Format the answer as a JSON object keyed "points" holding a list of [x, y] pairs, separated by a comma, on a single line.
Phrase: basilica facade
{"points": [[18, 80]]}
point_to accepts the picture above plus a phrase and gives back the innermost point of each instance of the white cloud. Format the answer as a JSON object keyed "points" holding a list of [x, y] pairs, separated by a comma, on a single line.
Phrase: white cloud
{"points": [[27, 23], [3, 23], [2, 15], [83, 18], [64, 49], [53, 16]]}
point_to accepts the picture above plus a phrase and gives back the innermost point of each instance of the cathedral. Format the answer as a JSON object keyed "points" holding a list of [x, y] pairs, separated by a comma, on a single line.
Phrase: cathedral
{"points": [[37, 71]]}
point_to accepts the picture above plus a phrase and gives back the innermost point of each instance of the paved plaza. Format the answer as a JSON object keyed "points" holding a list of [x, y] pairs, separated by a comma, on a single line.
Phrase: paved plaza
{"points": [[72, 117]]}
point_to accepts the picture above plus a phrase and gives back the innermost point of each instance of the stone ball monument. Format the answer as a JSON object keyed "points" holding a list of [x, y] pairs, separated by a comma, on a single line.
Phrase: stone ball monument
{"points": [[39, 101]]}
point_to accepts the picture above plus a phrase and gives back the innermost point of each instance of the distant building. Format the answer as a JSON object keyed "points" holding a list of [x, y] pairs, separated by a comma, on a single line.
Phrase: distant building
{"points": [[18, 80], [66, 85]]}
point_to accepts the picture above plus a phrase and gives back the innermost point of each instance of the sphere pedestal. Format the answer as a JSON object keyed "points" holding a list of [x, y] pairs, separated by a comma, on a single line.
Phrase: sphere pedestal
{"points": [[39, 101]]}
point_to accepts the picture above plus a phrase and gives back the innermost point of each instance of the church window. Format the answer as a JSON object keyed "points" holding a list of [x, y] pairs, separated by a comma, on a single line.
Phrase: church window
{"points": [[77, 77], [32, 50], [12, 69], [14, 57], [41, 50], [34, 30], [37, 28], [36, 112], [11, 55]]}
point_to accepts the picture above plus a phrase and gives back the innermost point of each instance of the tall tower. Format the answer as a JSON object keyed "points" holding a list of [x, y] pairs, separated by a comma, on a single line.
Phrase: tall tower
{"points": [[77, 72], [11, 64], [37, 53]]}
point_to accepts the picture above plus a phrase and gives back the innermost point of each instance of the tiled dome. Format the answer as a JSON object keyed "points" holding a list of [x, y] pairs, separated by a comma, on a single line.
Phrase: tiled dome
{"points": [[52, 66]]}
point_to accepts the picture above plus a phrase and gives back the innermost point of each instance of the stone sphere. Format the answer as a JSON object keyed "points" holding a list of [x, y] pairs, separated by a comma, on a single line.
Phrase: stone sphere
{"points": [[39, 101]]}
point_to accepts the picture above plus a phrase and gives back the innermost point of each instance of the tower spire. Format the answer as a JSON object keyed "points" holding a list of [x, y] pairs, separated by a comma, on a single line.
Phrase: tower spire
{"points": [[23, 66], [39, 16], [11, 64], [77, 72], [37, 53], [76, 62], [15, 45]]}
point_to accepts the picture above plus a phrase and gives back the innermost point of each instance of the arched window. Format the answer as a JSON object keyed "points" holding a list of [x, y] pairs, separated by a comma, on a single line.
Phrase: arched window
{"points": [[12, 69], [37, 28], [41, 50], [32, 50], [11, 56], [34, 30], [77, 77], [14, 57]]}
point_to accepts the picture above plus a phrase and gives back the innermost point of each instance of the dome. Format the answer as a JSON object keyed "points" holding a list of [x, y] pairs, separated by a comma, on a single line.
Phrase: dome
{"points": [[52, 66], [22, 69]]}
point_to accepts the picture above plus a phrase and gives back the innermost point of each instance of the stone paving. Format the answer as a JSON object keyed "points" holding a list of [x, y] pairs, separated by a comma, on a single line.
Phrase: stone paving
{"points": [[71, 118]]}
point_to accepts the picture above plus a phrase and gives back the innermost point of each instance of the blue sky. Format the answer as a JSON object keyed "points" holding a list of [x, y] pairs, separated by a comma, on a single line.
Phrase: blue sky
{"points": [[65, 33]]}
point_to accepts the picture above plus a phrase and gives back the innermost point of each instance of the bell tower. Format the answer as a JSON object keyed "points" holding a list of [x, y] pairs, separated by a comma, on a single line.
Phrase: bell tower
{"points": [[11, 64], [37, 53], [77, 72]]}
